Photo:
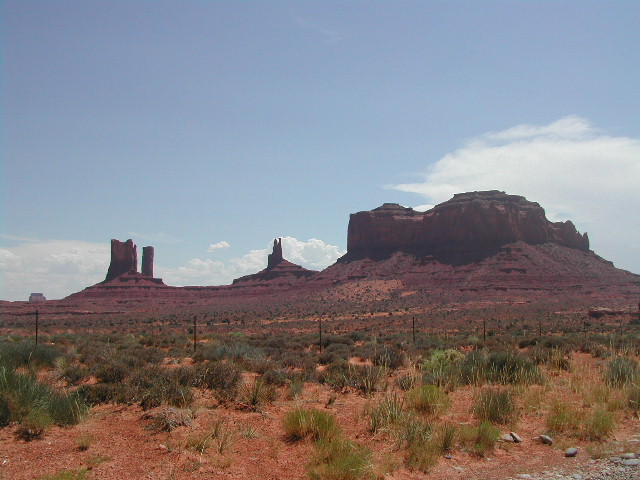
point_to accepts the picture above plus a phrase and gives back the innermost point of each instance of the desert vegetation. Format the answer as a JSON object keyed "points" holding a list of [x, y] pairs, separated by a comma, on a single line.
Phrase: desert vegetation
{"points": [[362, 403]]}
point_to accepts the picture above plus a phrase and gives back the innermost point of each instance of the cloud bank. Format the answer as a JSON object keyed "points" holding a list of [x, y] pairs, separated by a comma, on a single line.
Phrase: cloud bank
{"points": [[59, 268], [313, 254], [573, 170]]}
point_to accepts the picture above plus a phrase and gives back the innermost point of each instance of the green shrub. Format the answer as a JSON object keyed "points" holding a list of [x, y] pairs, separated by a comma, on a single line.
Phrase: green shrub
{"points": [[389, 357], [428, 399], [621, 371], [495, 405], [388, 412], [480, 439], [563, 418], [14, 355], [340, 459], [406, 381], [259, 393], [633, 394], [507, 368], [599, 425], [442, 368], [36, 405], [222, 377], [300, 423], [342, 374]]}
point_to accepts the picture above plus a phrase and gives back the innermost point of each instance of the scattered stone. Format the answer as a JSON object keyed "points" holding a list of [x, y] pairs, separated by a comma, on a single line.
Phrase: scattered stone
{"points": [[516, 438], [615, 459], [576, 476], [571, 452], [632, 462], [448, 457], [628, 456], [546, 439], [459, 469], [507, 437], [523, 475]]}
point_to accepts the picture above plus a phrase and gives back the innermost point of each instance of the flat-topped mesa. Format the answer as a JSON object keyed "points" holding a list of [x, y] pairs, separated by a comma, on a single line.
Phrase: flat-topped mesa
{"points": [[465, 229], [124, 258]]}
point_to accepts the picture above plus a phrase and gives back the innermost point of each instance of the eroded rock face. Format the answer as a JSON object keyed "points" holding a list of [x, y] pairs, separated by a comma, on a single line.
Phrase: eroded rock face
{"points": [[124, 258], [277, 269], [275, 257], [147, 261], [467, 228]]}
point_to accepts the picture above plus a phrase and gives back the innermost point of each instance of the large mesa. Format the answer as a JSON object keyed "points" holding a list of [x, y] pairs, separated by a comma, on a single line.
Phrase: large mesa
{"points": [[467, 228]]}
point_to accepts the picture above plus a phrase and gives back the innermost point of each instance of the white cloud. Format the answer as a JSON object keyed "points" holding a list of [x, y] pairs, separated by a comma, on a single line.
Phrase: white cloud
{"points": [[59, 268], [572, 169], [55, 267], [313, 254], [215, 246]]}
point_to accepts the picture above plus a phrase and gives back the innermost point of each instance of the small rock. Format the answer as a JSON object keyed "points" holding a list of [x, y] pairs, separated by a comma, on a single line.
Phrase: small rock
{"points": [[523, 475], [628, 456], [507, 437], [576, 476], [162, 447], [570, 452], [459, 469], [448, 457], [516, 438], [631, 462], [546, 439], [615, 459]]}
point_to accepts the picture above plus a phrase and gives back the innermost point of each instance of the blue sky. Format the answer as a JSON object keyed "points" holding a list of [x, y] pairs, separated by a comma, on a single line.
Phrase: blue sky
{"points": [[207, 128]]}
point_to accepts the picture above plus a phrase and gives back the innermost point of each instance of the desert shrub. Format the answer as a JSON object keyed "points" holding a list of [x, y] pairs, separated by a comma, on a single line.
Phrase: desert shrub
{"points": [[406, 381], [563, 418], [222, 377], [100, 393], [258, 393], [315, 424], [36, 405], [620, 371], [73, 373], [495, 405], [442, 367], [633, 394], [275, 376], [341, 459], [472, 368], [342, 374], [389, 357], [185, 375], [389, 411], [111, 371], [479, 439], [507, 368], [219, 436], [428, 399], [599, 425], [170, 418], [23, 354], [333, 353]]}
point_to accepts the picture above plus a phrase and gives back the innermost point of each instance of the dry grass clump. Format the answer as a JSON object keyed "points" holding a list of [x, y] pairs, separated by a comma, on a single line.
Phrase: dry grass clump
{"points": [[496, 405], [315, 424]]}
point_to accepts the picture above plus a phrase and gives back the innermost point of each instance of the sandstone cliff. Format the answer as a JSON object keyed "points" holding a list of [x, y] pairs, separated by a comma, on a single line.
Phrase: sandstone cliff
{"points": [[465, 229], [124, 259]]}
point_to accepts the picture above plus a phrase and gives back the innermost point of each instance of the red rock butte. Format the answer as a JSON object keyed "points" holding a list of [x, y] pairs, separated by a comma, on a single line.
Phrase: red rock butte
{"points": [[487, 242]]}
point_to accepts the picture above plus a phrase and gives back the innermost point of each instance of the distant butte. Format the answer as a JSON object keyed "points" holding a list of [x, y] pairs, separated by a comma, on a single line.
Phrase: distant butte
{"points": [[277, 268], [489, 243]]}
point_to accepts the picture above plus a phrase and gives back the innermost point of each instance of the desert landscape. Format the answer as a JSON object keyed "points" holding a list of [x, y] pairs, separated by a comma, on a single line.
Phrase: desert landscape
{"points": [[476, 340]]}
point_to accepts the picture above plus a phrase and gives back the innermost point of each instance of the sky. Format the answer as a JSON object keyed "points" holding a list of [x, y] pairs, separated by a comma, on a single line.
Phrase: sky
{"points": [[208, 128]]}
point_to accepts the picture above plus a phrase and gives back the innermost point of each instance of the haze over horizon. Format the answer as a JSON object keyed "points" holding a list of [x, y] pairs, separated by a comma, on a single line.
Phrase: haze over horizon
{"points": [[206, 129]]}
